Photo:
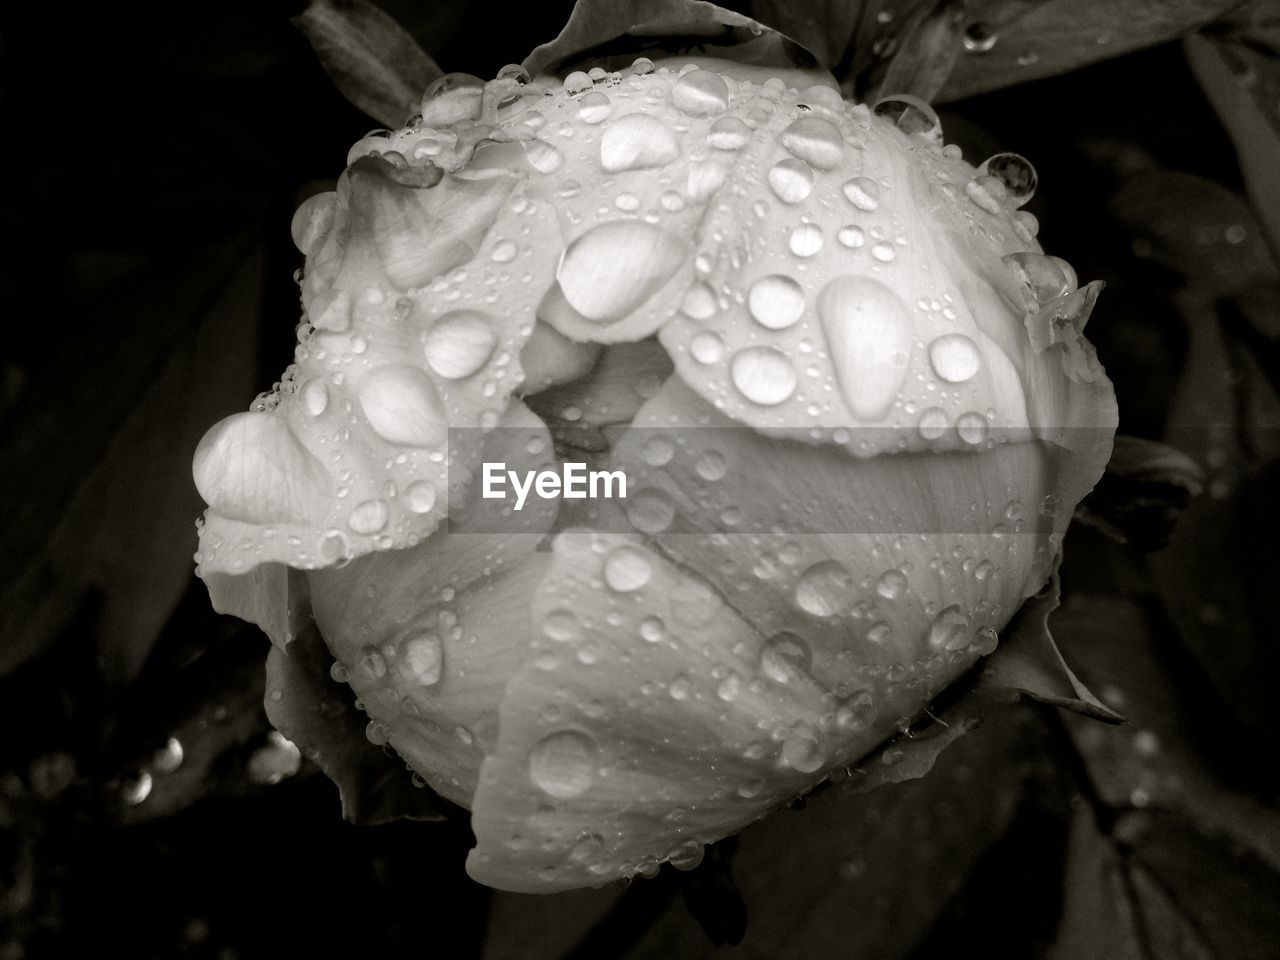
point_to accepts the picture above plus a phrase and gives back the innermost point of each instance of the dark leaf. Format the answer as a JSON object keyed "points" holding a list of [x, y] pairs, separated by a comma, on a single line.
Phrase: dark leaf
{"points": [[1140, 891], [1008, 43], [926, 54], [1145, 490], [371, 59], [318, 714]]}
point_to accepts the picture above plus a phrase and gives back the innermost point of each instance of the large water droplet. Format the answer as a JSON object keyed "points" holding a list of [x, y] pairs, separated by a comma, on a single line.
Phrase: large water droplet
{"points": [[420, 496], [892, 584], [954, 357], [862, 192], [402, 406], [972, 427], [1016, 173], [650, 511], [369, 517], [1042, 275], [700, 93], [802, 752], [707, 348], [563, 764], [421, 659], [979, 37], [763, 375], [805, 240], [776, 301], [791, 180], [816, 141], [823, 589], [614, 267], [577, 82], [627, 569], [785, 657], [594, 108], [933, 423], [728, 133], [312, 221], [459, 344], [453, 97], [637, 141], [858, 712], [950, 629], [543, 156], [868, 332], [909, 114], [315, 397]]}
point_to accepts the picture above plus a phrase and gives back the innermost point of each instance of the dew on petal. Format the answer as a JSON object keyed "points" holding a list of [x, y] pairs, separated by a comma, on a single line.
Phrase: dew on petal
{"points": [[700, 93], [594, 107], [805, 240], [791, 180], [816, 141], [627, 569], [421, 659], [562, 764], [1016, 173], [909, 114], [763, 375], [868, 331], [775, 301], [785, 656], [459, 344], [728, 133], [402, 406], [823, 589], [862, 192], [637, 141], [610, 270], [954, 357]]}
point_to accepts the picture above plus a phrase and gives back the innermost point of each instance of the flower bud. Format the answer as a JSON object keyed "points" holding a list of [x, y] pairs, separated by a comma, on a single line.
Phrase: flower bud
{"points": [[849, 393]]}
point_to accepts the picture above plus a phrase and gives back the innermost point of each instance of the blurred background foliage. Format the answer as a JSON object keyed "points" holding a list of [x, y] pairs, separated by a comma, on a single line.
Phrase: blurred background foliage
{"points": [[145, 802]]}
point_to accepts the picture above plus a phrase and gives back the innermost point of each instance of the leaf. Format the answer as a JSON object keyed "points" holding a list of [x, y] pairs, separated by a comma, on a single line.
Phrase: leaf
{"points": [[600, 29], [926, 55], [371, 59], [1238, 65], [1146, 488], [1035, 40], [318, 714], [1139, 891]]}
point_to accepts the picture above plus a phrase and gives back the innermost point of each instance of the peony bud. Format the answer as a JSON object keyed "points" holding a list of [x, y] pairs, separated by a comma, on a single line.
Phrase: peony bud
{"points": [[848, 390]]}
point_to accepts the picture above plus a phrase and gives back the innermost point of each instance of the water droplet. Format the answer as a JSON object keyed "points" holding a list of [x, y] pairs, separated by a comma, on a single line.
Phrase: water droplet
{"points": [[459, 344], [421, 659], [816, 141], [775, 301], [504, 251], [862, 192], [791, 180], [561, 625], [987, 193], [972, 427], [627, 569], [858, 712], [613, 268], [984, 570], [576, 83], [710, 466], [909, 114], [594, 107], [879, 632], [312, 221], [515, 73], [933, 423], [650, 511], [1042, 275], [954, 357], [884, 251], [785, 656], [687, 856], [402, 406], [730, 687], [823, 589], [1016, 173], [802, 752], [136, 788], [892, 584], [805, 240], [950, 629], [315, 397], [680, 688], [868, 331], [420, 496], [543, 156], [699, 302], [372, 663], [453, 97], [368, 517], [652, 629], [763, 375], [851, 236], [587, 847], [985, 641], [637, 141], [700, 93], [979, 37], [728, 133], [562, 764], [707, 348]]}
